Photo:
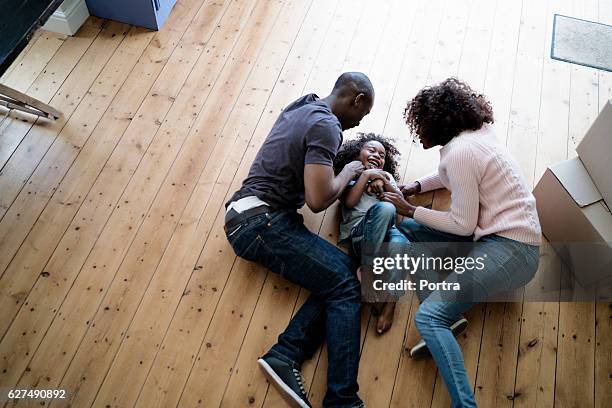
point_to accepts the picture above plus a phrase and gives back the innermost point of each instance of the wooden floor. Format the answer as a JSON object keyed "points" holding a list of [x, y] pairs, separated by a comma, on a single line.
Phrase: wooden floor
{"points": [[116, 281]]}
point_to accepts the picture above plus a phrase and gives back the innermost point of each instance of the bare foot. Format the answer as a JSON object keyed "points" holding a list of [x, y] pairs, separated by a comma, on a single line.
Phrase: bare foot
{"points": [[377, 308], [385, 317]]}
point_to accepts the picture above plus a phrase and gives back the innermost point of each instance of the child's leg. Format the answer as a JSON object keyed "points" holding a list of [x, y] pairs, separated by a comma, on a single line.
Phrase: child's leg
{"points": [[377, 236], [368, 236], [367, 239], [395, 243]]}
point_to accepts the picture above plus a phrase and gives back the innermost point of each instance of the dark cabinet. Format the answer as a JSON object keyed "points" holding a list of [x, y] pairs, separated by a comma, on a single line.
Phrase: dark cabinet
{"points": [[144, 13]]}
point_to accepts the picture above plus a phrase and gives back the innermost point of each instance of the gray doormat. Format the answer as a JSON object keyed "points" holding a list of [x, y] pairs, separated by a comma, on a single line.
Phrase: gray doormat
{"points": [[582, 42]]}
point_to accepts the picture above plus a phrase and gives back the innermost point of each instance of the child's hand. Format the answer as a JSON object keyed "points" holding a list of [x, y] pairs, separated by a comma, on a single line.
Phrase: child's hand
{"points": [[377, 188]]}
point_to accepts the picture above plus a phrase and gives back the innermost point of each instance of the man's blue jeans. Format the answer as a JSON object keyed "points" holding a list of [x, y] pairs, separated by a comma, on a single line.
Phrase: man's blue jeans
{"points": [[280, 242], [509, 265]]}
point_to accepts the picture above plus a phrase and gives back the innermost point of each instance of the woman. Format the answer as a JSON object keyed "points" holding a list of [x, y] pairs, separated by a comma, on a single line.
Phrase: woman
{"points": [[492, 209]]}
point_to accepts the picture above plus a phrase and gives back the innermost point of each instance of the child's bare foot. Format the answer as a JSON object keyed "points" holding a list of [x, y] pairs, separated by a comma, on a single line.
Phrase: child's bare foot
{"points": [[377, 308], [385, 317]]}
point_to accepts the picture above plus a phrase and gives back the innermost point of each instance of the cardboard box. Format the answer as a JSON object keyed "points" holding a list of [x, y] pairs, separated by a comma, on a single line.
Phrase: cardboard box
{"points": [[574, 200]]}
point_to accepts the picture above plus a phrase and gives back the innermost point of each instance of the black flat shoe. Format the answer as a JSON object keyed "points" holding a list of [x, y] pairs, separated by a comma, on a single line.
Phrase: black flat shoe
{"points": [[286, 379]]}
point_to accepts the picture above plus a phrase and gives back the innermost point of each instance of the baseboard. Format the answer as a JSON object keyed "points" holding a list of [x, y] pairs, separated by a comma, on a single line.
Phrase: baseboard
{"points": [[68, 18]]}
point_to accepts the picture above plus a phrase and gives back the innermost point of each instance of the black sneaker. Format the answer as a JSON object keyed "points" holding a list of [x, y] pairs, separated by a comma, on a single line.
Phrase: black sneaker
{"points": [[288, 380], [420, 349]]}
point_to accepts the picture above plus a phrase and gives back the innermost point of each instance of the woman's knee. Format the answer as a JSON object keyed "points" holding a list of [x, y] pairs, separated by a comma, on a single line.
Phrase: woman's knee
{"points": [[431, 314], [422, 318]]}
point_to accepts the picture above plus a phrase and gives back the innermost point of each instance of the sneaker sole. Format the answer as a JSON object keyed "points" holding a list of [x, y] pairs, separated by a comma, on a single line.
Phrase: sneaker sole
{"points": [[288, 394], [421, 350]]}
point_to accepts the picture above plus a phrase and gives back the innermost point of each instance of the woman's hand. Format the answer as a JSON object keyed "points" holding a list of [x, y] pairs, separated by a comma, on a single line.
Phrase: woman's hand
{"points": [[402, 206], [411, 189]]}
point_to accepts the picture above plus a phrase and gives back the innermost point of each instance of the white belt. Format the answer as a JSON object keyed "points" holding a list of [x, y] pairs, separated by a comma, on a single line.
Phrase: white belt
{"points": [[245, 203]]}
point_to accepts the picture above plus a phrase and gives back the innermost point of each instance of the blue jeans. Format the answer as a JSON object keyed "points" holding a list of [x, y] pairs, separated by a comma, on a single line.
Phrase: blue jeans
{"points": [[376, 235], [280, 242], [509, 265]]}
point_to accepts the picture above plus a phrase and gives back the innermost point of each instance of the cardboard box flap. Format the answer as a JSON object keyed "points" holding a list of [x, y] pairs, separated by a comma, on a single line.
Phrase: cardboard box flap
{"points": [[601, 220], [595, 151], [576, 180]]}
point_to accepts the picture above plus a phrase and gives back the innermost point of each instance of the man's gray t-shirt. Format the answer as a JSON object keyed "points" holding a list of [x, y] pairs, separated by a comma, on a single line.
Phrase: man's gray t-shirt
{"points": [[306, 132]]}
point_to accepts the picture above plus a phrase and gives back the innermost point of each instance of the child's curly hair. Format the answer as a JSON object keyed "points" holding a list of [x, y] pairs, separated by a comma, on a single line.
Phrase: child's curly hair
{"points": [[439, 113], [349, 151]]}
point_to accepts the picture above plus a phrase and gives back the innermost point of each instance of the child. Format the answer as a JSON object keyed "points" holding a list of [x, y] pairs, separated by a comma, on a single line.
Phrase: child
{"points": [[368, 223]]}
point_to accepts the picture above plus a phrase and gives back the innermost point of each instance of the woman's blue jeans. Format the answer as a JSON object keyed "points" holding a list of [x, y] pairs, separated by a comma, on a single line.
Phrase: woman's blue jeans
{"points": [[509, 265]]}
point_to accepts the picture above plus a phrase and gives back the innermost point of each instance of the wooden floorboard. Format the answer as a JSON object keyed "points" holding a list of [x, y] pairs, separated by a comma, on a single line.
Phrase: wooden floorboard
{"points": [[37, 54], [23, 73], [113, 263], [195, 223], [363, 49], [39, 51], [153, 236], [416, 71], [39, 139], [576, 344], [380, 354], [65, 264], [46, 85]]}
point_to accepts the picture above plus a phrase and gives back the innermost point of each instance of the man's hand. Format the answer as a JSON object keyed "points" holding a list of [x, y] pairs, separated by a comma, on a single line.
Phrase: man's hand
{"points": [[322, 188], [410, 189], [354, 168], [402, 206]]}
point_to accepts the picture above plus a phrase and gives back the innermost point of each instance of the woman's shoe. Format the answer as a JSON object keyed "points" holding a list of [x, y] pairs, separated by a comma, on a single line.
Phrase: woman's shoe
{"points": [[420, 349]]}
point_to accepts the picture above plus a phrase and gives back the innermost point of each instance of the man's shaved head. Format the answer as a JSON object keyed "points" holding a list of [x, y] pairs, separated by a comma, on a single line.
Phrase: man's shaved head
{"points": [[351, 99], [352, 84]]}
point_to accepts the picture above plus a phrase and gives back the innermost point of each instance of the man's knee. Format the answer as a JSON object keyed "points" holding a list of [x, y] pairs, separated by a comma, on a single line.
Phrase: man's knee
{"points": [[348, 289], [353, 287]]}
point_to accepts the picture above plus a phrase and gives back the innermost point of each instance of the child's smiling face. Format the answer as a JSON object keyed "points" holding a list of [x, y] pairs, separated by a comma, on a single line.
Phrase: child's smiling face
{"points": [[372, 155]]}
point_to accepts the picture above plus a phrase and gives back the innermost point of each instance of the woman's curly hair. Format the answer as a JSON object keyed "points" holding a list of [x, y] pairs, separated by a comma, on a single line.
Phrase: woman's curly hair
{"points": [[349, 151], [439, 113]]}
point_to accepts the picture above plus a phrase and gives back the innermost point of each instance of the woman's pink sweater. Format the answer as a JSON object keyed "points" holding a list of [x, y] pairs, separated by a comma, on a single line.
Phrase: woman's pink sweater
{"points": [[488, 192]]}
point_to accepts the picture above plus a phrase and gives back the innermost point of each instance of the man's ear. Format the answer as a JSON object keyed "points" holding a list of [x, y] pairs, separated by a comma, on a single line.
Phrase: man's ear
{"points": [[360, 98]]}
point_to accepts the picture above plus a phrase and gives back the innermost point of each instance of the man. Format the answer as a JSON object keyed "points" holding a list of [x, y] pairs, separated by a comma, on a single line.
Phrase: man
{"points": [[293, 167]]}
